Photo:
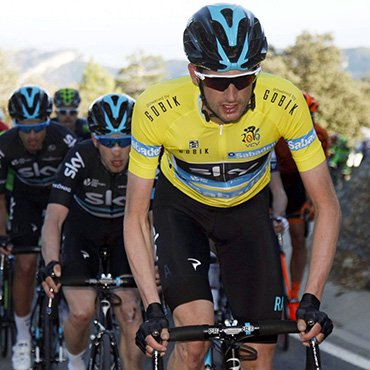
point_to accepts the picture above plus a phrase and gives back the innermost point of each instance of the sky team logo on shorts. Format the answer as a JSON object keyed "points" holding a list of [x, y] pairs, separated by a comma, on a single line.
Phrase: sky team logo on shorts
{"points": [[251, 136]]}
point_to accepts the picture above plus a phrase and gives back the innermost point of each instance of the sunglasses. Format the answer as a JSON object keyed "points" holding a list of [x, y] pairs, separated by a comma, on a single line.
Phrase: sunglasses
{"points": [[64, 111], [110, 142], [222, 82], [38, 127]]}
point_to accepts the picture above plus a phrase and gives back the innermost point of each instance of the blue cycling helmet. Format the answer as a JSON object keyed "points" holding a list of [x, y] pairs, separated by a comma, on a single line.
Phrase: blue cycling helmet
{"points": [[224, 37], [111, 114], [30, 103]]}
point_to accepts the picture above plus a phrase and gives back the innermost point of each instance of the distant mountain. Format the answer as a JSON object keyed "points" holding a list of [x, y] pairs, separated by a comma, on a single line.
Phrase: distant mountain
{"points": [[65, 67], [358, 62], [58, 68]]}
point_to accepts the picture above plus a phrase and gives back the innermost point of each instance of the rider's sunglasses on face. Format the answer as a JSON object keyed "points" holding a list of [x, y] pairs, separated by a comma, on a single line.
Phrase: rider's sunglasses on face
{"points": [[64, 111], [222, 82], [110, 142], [38, 127]]}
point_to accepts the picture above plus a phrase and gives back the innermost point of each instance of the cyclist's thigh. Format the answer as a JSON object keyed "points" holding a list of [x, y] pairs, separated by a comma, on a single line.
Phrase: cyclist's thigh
{"points": [[84, 235], [249, 259], [182, 246], [80, 258], [26, 217], [102, 232], [118, 263]]}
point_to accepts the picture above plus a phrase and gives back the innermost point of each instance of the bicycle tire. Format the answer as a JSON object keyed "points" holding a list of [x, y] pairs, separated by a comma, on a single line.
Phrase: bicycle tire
{"points": [[7, 324], [285, 337], [92, 362], [105, 353], [47, 337], [4, 340]]}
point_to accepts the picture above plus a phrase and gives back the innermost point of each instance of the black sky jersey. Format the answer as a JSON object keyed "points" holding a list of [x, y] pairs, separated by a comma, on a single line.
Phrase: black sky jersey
{"points": [[84, 179], [39, 169]]}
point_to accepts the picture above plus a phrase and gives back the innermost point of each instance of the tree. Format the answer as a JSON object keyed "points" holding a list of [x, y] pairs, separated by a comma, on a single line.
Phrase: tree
{"points": [[8, 82], [142, 72], [96, 81], [315, 65]]}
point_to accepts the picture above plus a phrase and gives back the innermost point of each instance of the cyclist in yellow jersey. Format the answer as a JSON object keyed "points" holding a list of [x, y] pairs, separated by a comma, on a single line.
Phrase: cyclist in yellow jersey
{"points": [[218, 129]]}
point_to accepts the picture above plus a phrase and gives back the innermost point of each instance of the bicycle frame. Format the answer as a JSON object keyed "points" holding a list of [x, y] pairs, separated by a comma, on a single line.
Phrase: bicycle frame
{"points": [[103, 342], [46, 329], [7, 323]]}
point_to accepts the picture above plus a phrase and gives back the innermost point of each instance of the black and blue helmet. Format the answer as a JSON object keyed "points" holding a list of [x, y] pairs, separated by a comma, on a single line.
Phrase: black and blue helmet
{"points": [[30, 103], [111, 114], [225, 37]]}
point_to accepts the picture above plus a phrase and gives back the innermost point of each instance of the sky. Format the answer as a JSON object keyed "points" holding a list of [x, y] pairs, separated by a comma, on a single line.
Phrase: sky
{"points": [[110, 30]]}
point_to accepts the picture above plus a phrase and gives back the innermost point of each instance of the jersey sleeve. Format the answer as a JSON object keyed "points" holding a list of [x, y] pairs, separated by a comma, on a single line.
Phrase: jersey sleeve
{"points": [[64, 187], [4, 164], [302, 139], [145, 143]]}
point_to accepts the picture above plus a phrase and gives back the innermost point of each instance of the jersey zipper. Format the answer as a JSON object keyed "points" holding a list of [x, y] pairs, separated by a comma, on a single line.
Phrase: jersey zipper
{"points": [[222, 149]]}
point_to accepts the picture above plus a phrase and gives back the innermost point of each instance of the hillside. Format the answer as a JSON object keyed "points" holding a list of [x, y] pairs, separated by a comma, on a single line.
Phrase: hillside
{"points": [[65, 67]]}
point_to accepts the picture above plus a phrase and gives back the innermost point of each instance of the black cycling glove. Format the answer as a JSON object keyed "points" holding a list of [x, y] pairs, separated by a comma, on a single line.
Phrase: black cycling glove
{"points": [[309, 309], [155, 321], [47, 271]]}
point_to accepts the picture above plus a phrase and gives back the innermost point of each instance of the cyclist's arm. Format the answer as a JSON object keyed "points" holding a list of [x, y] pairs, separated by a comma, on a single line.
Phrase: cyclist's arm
{"points": [[318, 184], [137, 237], [52, 231], [279, 203], [5, 247], [51, 238], [279, 197]]}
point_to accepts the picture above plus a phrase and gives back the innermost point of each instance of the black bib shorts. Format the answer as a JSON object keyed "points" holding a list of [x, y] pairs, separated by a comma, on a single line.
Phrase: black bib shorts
{"points": [[246, 246]]}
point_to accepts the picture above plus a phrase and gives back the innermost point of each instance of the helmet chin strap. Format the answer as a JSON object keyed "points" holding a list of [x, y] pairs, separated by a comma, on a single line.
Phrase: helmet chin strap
{"points": [[251, 105]]}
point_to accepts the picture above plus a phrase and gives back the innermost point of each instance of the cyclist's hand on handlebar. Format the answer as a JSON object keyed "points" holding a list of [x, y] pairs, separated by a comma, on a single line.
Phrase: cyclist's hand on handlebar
{"points": [[5, 245], [155, 324], [309, 309], [48, 277], [281, 225]]}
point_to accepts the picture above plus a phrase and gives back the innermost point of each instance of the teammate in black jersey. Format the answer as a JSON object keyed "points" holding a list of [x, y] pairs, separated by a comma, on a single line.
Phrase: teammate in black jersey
{"points": [[34, 149], [66, 101], [91, 190]]}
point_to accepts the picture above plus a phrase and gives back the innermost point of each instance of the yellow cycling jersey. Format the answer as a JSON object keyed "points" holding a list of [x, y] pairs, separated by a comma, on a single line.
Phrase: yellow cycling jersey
{"points": [[220, 165]]}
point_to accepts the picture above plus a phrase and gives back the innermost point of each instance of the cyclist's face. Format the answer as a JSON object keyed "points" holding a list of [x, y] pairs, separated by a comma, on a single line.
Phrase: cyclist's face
{"points": [[32, 141], [67, 116], [230, 104], [114, 159]]}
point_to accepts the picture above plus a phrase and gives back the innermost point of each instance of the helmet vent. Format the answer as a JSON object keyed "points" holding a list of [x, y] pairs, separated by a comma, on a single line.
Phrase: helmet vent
{"points": [[228, 14]]}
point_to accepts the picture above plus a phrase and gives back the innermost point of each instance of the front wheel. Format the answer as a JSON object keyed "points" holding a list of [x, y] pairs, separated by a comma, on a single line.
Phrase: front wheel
{"points": [[47, 339], [105, 354], [3, 339]]}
